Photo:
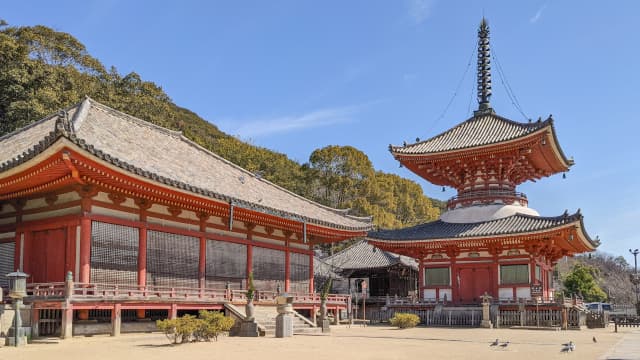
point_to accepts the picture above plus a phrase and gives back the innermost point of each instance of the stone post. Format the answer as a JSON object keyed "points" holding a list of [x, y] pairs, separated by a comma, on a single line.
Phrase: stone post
{"points": [[284, 320], [116, 320], [486, 314], [66, 332]]}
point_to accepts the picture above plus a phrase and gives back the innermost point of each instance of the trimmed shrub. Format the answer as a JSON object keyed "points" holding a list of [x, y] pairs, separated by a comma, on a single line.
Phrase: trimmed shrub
{"points": [[209, 325], [404, 320]]}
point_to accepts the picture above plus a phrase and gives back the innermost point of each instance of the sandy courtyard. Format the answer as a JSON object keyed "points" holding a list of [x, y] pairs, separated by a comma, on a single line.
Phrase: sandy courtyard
{"points": [[374, 342]]}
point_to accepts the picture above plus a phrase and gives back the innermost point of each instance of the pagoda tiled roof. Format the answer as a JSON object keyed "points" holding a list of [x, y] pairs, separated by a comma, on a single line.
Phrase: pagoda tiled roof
{"points": [[510, 225], [479, 130], [363, 255], [168, 157]]}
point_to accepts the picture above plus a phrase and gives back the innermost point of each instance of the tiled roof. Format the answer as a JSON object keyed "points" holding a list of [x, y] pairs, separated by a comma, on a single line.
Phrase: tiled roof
{"points": [[479, 130], [510, 225], [168, 157], [363, 255]]}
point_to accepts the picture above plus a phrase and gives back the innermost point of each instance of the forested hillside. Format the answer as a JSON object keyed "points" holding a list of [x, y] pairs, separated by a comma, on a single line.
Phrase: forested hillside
{"points": [[43, 71], [612, 275]]}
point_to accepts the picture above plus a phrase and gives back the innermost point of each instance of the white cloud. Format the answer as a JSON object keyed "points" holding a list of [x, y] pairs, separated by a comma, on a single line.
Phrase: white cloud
{"points": [[420, 10], [534, 19], [283, 124]]}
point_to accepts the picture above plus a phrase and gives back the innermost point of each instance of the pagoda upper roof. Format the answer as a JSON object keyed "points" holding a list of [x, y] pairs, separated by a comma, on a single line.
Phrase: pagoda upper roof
{"points": [[363, 255], [479, 131], [517, 224], [167, 157]]}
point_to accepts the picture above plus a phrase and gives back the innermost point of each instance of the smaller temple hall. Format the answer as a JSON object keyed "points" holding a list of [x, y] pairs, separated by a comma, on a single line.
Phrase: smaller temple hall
{"points": [[489, 240]]}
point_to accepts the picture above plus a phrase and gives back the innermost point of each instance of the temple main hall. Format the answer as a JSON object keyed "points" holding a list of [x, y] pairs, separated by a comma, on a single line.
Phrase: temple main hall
{"points": [[116, 218], [488, 241]]}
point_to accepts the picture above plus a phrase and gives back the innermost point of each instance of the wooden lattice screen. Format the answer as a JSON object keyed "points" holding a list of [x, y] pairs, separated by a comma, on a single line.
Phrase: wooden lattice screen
{"points": [[114, 254], [172, 259], [268, 268], [7, 251], [226, 262], [299, 272]]}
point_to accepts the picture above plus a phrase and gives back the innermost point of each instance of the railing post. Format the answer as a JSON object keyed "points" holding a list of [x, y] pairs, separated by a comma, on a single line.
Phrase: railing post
{"points": [[68, 285]]}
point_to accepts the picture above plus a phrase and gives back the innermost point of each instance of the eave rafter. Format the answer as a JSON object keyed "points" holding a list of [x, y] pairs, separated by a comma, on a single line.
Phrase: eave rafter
{"points": [[553, 244], [528, 158], [67, 167]]}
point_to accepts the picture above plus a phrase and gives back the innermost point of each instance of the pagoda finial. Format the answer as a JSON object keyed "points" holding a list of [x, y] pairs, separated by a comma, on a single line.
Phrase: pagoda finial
{"points": [[484, 69]]}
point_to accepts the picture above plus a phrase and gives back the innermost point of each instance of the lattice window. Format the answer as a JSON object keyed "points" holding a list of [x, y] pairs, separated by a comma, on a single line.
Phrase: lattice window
{"points": [[172, 260], [7, 253], [437, 276], [299, 272], [226, 262], [268, 268], [114, 254], [514, 274]]}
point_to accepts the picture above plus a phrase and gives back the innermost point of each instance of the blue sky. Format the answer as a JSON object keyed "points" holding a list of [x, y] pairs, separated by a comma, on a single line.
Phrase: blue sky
{"points": [[294, 76]]}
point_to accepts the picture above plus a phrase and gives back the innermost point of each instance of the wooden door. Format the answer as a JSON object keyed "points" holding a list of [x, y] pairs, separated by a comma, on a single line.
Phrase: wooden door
{"points": [[474, 282], [48, 256]]}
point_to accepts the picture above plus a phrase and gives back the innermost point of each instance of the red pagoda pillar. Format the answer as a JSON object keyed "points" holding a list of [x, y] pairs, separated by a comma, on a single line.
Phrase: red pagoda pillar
{"points": [[311, 285], [421, 278]]}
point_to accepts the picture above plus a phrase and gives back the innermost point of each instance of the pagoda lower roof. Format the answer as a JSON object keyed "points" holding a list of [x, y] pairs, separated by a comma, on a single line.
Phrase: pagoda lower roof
{"points": [[141, 149], [518, 224]]}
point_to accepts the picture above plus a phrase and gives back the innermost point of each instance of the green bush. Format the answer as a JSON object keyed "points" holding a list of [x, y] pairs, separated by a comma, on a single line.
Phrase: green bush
{"points": [[404, 320], [209, 325]]}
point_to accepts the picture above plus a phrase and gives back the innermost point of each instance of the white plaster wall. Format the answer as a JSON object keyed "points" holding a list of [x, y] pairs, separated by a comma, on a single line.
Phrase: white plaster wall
{"points": [[429, 293], [49, 214], [175, 224], [35, 203], [505, 293], [478, 213], [523, 292], [226, 232], [115, 213]]}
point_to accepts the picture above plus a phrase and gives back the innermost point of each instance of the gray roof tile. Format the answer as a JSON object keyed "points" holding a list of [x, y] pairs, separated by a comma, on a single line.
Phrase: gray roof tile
{"points": [[166, 156], [363, 255], [440, 230], [477, 131]]}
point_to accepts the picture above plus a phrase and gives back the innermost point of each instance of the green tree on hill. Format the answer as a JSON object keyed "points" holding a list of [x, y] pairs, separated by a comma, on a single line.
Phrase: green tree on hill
{"points": [[582, 279]]}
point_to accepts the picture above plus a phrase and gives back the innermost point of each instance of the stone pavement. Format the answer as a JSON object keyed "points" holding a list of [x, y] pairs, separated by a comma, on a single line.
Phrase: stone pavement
{"points": [[628, 348]]}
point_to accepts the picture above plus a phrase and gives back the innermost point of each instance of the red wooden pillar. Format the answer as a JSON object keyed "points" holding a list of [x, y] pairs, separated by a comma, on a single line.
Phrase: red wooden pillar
{"points": [[85, 249], [287, 269], [421, 278], [70, 250], [85, 258], [142, 264], [202, 262], [496, 277], [455, 281], [202, 259], [249, 261], [311, 285]]}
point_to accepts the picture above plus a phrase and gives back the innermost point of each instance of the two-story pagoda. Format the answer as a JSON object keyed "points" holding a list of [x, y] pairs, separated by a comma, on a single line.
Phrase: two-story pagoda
{"points": [[488, 240]]}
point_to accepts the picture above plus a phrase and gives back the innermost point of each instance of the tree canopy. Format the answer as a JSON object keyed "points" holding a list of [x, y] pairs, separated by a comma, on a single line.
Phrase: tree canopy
{"points": [[582, 280], [43, 71]]}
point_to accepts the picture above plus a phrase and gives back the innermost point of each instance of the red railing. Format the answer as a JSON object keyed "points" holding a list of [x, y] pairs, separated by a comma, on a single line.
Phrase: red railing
{"points": [[469, 197], [92, 291]]}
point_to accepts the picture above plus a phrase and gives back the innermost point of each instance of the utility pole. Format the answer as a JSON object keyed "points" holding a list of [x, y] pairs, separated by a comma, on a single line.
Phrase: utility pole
{"points": [[634, 278]]}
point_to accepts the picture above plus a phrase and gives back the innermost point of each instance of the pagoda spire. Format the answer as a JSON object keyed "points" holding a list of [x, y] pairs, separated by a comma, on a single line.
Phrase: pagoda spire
{"points": [[484, 69]]}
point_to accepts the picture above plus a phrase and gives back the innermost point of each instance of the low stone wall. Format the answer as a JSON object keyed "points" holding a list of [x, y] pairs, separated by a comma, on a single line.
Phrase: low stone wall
{"points": [[82, 328], [138, 327]]}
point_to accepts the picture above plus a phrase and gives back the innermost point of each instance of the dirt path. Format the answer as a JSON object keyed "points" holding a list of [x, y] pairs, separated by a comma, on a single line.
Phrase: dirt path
{"points": [[374, 342]]}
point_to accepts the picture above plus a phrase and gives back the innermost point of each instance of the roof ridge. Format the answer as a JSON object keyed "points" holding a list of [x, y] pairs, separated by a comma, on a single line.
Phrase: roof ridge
{"points": [[136, 120]]}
